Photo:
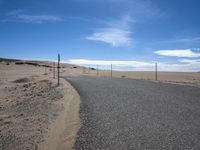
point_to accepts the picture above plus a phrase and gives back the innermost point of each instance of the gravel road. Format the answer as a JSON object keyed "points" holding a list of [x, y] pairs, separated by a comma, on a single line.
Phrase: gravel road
{"points": [[127, 114]]}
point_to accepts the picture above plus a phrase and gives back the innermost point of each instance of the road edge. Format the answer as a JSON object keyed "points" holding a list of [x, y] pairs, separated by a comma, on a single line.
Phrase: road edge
{"points": [[63, 131]]}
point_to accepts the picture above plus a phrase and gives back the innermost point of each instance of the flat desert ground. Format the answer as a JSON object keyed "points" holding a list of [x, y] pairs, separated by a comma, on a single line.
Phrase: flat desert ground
{"points": [[34, 112], [183, 78], [37, 114]]}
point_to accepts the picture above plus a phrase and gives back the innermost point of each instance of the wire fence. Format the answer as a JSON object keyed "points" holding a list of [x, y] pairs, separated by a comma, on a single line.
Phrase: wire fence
{"points": [[155, 71]]}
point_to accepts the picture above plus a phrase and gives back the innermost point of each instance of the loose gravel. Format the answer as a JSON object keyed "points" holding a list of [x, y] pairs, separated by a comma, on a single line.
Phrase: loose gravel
{"points": [[120, 114]]}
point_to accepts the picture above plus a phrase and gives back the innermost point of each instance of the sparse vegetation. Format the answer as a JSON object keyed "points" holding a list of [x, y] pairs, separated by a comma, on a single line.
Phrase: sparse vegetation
{"points": [[22, 80]]}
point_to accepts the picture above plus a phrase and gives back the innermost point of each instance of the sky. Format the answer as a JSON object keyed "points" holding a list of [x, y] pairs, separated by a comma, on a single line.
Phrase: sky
{"points": [[130, 34]]}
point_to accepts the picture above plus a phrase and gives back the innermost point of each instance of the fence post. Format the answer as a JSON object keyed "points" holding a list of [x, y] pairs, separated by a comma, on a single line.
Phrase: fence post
{"points": [[45, 70], [89, 70], [111, 71], [54, 70], [58, 69], [156, 69], [97, 70]]}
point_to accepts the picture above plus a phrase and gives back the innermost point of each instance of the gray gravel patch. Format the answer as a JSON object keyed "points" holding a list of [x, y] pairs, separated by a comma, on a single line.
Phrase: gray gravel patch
{"points": [[120, 114]]}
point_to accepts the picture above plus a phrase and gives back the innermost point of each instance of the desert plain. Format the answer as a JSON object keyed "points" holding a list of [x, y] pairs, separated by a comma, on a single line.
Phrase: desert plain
{"points": [[37, 114]]}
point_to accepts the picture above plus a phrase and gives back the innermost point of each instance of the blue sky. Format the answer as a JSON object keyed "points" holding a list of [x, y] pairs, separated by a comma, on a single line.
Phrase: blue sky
{"points": [[130, 34]]}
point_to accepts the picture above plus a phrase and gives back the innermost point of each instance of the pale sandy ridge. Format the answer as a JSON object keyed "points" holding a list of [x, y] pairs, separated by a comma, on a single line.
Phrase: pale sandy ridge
{"points": [[34, 112]]}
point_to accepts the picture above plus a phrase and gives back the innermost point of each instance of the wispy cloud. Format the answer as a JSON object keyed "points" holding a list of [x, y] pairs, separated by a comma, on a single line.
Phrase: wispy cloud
{"points": [[142, 10], [20, 16], [178, 53], [84, 19], [15, 12], [193, 39], [179, 67], [190, 61], [182, 40], [115, 37], [183, 66], [106, 62], [38, 18], [117, 33]]}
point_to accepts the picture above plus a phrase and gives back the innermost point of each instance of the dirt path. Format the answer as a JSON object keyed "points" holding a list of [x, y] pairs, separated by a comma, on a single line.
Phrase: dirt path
{"points": [[63, 131]]}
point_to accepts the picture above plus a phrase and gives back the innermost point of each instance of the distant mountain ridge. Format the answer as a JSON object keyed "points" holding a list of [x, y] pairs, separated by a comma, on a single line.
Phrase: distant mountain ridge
{"points": [[9, 60]]}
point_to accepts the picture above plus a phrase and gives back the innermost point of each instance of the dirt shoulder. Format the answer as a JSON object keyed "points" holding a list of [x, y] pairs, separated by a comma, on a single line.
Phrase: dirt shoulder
{"points": [[63, 131], [34, 112]]}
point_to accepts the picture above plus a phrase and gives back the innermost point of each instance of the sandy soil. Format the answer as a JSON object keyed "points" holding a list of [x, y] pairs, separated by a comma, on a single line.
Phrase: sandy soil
{"points": [[34, 112], [185, 78], [63, 131]]}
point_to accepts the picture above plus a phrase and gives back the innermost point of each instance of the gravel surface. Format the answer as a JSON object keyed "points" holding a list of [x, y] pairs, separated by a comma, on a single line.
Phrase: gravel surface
{"points": [[120, 114]]}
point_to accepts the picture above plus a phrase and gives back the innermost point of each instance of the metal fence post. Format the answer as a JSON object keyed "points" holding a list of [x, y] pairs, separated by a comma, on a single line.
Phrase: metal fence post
{"points": [[54, 70], [97, 70], [111, 70], [156, 69], [58, 69]]}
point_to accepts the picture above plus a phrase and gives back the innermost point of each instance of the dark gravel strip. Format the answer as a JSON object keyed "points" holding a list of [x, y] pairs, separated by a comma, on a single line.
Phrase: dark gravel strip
{"points": [[127, 114]]}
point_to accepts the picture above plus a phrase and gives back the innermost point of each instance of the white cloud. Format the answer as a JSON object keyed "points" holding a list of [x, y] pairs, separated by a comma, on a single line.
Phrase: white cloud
{"points": [[178, 53], [78, 18], [190, 61], [117, 32], [15, 12], [19, 16], [179, 67], [117, 65], [38, 18], [182, 40], [124, 22], [106, 62], [193, 39], [184, 66], [115, 37]]}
